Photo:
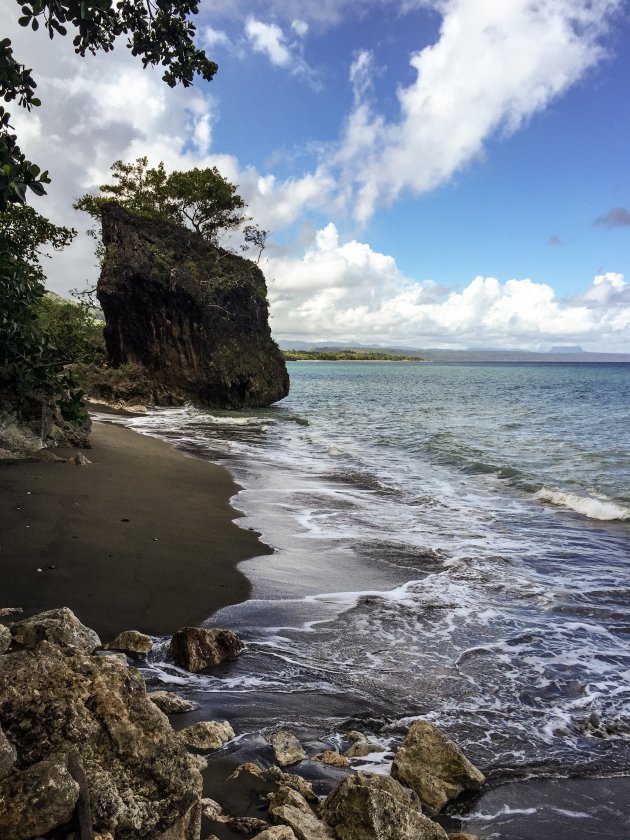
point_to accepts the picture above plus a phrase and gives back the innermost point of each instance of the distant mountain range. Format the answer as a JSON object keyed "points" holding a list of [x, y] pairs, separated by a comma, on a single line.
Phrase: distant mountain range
{"points": [[570, 353]]}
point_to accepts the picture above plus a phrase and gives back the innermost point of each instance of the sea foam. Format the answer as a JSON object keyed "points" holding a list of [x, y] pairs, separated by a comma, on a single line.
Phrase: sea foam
{"points": [[603, 509]]}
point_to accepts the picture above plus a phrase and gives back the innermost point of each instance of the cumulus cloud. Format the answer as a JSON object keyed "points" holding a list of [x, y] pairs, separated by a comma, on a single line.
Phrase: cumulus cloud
{"points": [[270, 40], [493, 66], [617, 217], [347, 290]]}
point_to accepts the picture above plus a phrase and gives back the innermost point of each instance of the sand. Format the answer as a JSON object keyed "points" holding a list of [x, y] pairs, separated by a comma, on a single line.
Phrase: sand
{"points": [[142, 538]]}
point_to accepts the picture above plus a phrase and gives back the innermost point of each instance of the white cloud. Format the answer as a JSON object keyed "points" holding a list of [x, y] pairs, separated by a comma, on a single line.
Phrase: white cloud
{"points": [[349, 291], [300, 27], [269, 39], [495, 64], [211, 38]]}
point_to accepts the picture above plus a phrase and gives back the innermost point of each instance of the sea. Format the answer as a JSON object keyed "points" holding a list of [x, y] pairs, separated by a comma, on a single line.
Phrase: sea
{"points": [[451, 542]]}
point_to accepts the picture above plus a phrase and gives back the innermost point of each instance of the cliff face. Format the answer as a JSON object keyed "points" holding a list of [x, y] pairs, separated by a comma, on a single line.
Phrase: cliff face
{"points": [[193, 316]]}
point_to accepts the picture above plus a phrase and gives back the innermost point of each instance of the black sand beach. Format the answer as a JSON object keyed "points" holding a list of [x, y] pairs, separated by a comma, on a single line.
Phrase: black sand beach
{"points": [[140, 538]]}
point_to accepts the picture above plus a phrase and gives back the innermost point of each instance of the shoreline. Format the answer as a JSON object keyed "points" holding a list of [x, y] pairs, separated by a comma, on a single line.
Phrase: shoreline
{"points": [[142, 537]]}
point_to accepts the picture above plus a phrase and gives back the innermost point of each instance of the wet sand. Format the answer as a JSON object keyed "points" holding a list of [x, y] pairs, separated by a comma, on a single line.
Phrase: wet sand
{"points": [[141, 538]]}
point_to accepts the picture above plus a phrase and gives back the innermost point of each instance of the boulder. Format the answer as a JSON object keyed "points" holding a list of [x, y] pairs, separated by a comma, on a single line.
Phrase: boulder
{"points": [[361, 746], [277, 832], [192, 316], [8, 756], [433, 766], [246, 825], [171, 703], [5, 638], [288, 796], [331, 758], [37, 799], [289, 807], [279, 777], [207, 734], [131, 641], [286, 748], [195, 648], [59, 627], [367, 806], [140, 778], [462, 835], [291, 780]]}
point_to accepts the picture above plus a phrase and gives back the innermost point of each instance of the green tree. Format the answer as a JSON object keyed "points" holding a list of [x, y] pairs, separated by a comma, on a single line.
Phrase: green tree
{"points": [[159, 32], [201, 199], [25, 351]]}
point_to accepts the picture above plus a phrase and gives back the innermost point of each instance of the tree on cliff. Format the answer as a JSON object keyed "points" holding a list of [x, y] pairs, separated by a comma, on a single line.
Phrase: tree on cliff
{"points": [[201, 199], [159, 32]]}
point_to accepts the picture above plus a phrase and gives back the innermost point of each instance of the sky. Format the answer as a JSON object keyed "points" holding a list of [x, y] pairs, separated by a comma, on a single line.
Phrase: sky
{"points": [[433, 173]]}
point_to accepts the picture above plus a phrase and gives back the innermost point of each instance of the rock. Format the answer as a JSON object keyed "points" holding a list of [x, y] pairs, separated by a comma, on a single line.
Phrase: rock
{"points": [[277, 775], [331, 758], [213, 811], [8, 756], [79, 460], [246, 825], [59, 627], [207, 734], [288, 796], [193, 316], [286, 748], [361, 746], [171, 703], [288, 807], [276, 832], [132, 641], [195, 648], [367, 806], [461, 835], [248, 767], [37, 799], [6, 611], [140, 777], [433, 766], [30, 423], [5, 638]]}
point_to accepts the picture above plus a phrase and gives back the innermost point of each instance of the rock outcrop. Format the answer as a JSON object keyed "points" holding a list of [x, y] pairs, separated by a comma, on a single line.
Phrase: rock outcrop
{"points": [[366, 806], [61, 707], [195, 648], [433, 766], [31, 423], [191, 315]]}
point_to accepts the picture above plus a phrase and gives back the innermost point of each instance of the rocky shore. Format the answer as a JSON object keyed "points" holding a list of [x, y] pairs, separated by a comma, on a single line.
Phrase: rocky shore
{"points": [[86, 752]]}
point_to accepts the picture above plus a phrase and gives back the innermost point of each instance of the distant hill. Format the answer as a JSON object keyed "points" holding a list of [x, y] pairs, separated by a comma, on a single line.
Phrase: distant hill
{"points": [[556, 354], [345, 356]]}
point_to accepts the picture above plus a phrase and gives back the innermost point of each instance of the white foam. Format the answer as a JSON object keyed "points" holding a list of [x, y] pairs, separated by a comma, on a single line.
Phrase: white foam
{"points": [[602, 509]]}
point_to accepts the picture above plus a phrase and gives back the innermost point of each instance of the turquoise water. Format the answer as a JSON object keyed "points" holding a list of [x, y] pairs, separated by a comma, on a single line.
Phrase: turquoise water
{"points": [[453, 542]]}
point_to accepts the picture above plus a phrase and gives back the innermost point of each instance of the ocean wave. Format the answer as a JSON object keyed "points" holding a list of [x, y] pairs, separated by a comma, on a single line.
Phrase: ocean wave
{"points": [[604, 510]]}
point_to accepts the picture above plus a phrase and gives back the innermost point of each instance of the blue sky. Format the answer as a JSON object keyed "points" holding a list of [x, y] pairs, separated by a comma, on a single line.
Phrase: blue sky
{"points": [[432, 172]]}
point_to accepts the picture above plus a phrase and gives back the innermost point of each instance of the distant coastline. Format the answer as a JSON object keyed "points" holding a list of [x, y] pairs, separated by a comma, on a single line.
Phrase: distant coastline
{"points": [[345, 356]]}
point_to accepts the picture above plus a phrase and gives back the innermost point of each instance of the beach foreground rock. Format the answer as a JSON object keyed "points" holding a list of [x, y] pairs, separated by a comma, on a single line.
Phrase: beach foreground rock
{"points": [[366, 806], [195, 648], [60, 627], [286, 748], [433, 766], [57, 700]]}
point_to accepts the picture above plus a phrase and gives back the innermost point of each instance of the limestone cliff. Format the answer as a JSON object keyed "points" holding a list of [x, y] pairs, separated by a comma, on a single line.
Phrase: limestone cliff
{"points": [[192, 315]]}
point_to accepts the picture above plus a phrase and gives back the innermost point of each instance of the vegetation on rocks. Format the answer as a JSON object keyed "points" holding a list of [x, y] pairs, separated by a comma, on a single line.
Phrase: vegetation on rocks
{"points": [[345, 356]]}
